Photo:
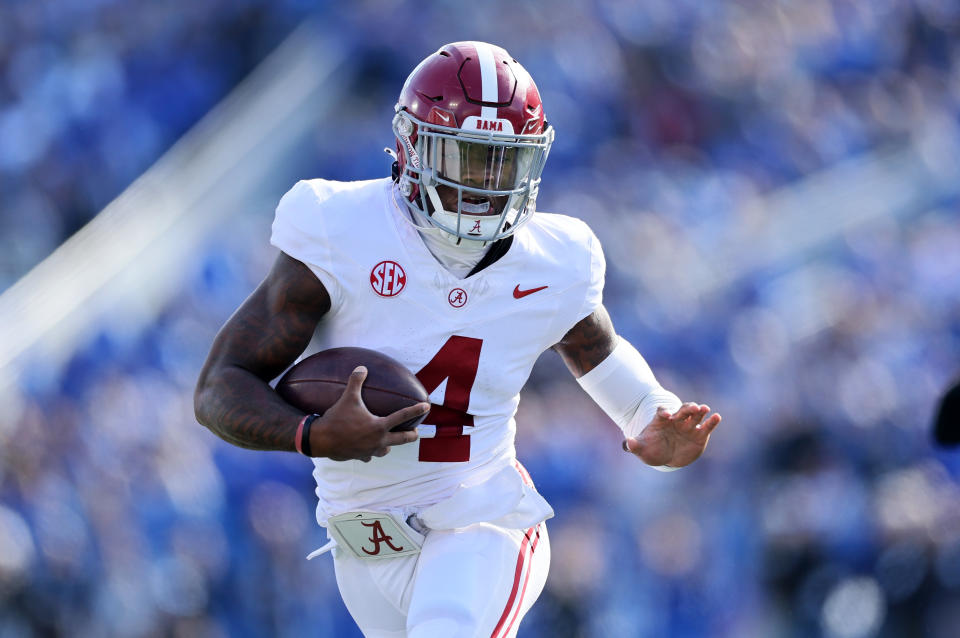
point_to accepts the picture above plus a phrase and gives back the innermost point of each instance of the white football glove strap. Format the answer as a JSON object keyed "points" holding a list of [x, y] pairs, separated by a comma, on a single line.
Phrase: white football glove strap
{"points": [[623, 385]]}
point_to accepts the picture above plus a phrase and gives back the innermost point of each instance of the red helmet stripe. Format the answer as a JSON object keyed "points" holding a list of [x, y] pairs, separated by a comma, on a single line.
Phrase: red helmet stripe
{"points": [[490, 85]]}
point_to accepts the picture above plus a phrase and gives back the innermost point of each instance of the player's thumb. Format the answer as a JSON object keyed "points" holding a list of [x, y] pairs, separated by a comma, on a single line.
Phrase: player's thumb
{"points": [[355, 382], [633, 446]]}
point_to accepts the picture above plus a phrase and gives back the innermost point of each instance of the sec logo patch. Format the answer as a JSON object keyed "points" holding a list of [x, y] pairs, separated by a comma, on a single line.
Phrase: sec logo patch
{"points": [[388, 278]]}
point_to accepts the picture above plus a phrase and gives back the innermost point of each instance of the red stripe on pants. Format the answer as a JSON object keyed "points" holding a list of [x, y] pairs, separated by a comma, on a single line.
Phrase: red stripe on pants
{"points": [[525, 553]]}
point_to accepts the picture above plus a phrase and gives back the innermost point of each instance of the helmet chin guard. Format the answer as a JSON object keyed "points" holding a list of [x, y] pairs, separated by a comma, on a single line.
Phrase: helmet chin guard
{"points": [[472, 142]]}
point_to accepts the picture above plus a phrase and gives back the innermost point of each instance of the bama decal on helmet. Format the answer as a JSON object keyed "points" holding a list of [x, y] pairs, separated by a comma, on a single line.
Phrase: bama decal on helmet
{"points": [[497, 125]]}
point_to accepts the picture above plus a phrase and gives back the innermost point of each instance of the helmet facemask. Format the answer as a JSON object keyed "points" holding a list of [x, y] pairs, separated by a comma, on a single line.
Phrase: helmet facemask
{"points": [[475, 185]]}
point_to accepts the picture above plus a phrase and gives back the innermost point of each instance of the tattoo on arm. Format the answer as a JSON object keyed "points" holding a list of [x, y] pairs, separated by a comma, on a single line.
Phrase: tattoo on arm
{"points": [[588, 343], [264, 336]]}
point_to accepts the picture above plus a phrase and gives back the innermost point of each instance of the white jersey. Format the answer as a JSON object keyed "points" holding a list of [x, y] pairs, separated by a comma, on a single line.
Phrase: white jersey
{"points": [[472, 342]]}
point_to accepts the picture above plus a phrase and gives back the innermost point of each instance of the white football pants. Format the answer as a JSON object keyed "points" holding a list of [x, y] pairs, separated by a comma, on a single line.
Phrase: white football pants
{"points": [[472, 582]]}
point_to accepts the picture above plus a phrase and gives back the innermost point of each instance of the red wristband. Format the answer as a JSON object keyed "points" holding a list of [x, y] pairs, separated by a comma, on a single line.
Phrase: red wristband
{"points": [[302, 439]]}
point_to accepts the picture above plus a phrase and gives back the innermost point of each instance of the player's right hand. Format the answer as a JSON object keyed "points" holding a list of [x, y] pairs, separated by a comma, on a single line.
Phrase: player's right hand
{"points": [[349, 431]]}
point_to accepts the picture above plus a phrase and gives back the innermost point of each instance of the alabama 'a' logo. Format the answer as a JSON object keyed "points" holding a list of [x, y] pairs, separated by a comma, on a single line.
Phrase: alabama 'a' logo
{"points": [[388, 278], [379, 536], [457, 298]]}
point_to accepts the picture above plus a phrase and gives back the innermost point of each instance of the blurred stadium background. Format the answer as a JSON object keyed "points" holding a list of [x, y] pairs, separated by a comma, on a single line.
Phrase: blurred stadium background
{"points": [[777, 187]]}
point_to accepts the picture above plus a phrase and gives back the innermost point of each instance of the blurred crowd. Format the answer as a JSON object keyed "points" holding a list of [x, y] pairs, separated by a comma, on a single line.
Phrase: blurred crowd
{"points": [[92, 92], [820, 508]]}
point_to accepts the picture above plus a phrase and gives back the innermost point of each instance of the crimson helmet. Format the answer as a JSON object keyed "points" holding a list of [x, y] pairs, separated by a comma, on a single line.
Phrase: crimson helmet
{"points": [[472, 141]]}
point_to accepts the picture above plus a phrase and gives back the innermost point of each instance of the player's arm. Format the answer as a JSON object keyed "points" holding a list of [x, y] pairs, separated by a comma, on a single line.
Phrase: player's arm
{"points": [[659, 429], [262, 338]]}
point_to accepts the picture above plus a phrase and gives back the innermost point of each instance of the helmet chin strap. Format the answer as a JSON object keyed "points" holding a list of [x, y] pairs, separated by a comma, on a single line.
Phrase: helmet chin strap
{"points": [[457, 257], [427, 228], [440, 211], [490, 224]]}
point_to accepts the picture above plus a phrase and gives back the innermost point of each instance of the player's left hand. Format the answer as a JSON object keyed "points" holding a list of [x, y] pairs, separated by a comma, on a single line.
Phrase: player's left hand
{"points": [[676, 439]]}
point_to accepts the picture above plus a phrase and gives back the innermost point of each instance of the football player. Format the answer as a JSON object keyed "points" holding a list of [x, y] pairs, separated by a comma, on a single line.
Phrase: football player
{"points": [[446, 267]]}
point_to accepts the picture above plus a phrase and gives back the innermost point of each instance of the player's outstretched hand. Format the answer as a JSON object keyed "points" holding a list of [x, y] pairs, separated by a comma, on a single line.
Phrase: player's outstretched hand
{"points": [[349, 431], [676, 439]]}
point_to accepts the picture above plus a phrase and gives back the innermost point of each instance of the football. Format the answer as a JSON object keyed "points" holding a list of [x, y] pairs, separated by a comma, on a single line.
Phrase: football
{"points": [[316, 383]]}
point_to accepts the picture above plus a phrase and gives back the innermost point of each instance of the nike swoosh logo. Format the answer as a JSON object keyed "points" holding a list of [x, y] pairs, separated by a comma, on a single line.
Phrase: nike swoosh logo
{"points": [[443, 116], [519, 294]]}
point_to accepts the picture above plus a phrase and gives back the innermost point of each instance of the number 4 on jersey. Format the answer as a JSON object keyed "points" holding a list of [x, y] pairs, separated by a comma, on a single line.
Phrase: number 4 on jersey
{"points": [[457, 362]]}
